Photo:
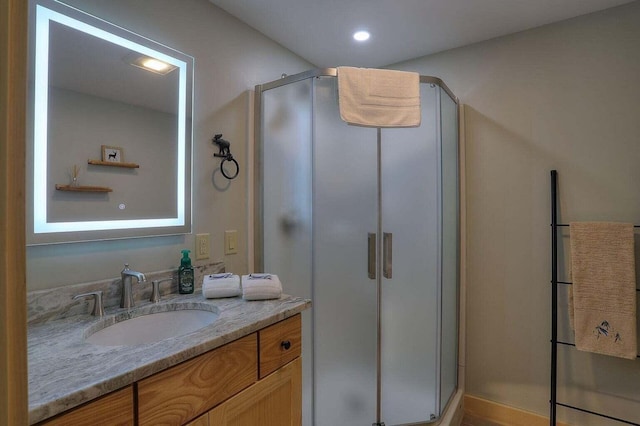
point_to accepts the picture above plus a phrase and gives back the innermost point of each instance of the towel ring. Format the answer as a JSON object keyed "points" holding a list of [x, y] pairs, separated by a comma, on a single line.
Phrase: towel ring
{"points": [[229, 158], [225, 152]]}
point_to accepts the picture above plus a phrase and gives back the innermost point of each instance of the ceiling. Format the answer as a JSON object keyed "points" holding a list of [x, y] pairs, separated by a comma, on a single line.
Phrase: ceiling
{"points": [[321, 30]]}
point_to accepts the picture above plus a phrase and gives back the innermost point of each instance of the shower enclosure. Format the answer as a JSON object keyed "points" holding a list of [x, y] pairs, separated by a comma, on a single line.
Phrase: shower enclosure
{"points": [[363, 221]]}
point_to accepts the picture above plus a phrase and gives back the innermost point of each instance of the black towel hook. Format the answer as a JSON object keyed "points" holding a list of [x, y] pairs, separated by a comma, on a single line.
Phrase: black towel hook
{"points": [[224, 151]]}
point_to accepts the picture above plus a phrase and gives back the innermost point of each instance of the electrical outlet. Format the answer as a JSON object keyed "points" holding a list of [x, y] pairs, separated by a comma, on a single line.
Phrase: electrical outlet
{"points": [[202, 246], [231, 242]]}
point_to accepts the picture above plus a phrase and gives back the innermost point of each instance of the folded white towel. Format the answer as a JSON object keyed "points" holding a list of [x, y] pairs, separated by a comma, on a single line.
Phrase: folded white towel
{"points": [[261, 287], [221, 285], [379, 98]]}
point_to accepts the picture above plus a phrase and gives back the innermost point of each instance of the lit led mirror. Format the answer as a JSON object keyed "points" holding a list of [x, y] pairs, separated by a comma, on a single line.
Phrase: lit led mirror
{"points": [[111, 114]]}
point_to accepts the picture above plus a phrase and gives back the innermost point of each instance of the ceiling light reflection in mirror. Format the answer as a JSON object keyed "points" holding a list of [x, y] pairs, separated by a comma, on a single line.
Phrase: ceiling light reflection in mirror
{"points": [[41, 224]]}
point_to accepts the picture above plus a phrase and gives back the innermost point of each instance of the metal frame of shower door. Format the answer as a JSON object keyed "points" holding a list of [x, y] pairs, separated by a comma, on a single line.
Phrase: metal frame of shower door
{"points": [[443, 405], [458, 239], [259, 198], [439, 196], [258, 263], [333, 72], [379, 285]]}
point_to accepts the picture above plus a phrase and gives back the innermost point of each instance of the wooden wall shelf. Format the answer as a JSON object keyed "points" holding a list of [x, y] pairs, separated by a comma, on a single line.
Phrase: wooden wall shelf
{"points": [[112, 164], [83, 188]]}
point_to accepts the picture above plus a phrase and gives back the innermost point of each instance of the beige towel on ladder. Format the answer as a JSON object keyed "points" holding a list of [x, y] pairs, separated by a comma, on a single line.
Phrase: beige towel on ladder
{"points": [[604, 288], [379, 98]]}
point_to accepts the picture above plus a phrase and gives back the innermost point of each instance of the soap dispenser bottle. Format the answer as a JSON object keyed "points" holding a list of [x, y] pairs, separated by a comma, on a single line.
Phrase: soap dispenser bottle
{"points": [[185, 274]]}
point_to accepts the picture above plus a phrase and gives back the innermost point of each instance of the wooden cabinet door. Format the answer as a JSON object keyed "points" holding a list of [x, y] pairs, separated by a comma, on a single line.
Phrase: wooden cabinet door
{"points": [[181, 393], [203, 420], [275, 400], [113, 409]]}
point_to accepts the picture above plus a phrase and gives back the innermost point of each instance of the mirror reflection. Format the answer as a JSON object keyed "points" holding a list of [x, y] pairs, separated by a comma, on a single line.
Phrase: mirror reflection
{"points": [[111, 133]]}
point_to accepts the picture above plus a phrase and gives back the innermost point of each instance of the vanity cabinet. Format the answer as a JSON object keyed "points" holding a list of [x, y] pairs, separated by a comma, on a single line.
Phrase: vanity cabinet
{"points": [[256, 379], [275, 399], [115, 408]]}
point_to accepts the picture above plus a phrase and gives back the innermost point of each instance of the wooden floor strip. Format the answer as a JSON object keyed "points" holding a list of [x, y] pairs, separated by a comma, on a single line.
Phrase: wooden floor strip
{"points": [[482, 412]]}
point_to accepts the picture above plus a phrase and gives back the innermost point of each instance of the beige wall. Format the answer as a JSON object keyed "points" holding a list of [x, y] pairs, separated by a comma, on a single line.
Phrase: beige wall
{"points": [[230, 59], [566, 97]]}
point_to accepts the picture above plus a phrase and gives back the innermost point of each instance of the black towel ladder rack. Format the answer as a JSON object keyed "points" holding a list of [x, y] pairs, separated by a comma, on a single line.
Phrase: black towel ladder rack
{"points": [[553, 403]]}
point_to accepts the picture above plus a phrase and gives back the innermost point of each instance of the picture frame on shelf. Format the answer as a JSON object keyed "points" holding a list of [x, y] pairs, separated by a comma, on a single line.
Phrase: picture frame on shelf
{"points": [[112, 154]]}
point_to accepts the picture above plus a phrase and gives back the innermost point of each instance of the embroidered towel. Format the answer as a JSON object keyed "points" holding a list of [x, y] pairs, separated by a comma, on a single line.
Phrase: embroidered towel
{"points": [[221, 285], [261, 287], [604, 288], [379, 98]]}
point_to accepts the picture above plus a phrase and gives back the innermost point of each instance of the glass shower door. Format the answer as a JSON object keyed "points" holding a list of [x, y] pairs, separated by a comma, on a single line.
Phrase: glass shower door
{"points": [[320, 206], [344, 298], [450, 249], [410, 294], [286, 199]]}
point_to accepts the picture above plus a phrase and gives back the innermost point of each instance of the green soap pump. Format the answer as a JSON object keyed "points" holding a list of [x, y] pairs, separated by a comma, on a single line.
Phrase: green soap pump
{"points": [[185, 274]]}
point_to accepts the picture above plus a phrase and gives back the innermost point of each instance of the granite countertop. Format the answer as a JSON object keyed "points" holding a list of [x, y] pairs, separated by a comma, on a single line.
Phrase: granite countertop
{"points": [[66, 371]]}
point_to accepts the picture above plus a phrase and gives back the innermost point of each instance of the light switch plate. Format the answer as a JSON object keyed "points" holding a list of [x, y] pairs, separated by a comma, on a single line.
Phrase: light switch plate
{"points": [[202, 246], [231, 242]]}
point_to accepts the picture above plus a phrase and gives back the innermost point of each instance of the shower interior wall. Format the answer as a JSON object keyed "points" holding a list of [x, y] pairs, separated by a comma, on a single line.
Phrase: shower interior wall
{"points": [[324, 191]]}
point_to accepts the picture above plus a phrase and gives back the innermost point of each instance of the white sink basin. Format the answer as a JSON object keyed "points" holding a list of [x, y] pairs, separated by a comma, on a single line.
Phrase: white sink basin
{"points": [[152, 327]]}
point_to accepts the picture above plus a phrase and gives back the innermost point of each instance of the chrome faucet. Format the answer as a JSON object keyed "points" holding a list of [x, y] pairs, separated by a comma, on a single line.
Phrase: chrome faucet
{"points": [[126, 301]]}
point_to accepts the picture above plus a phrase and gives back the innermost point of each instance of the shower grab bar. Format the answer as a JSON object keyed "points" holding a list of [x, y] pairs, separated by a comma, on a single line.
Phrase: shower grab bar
{"points": [[371, 250], [387, 255]]}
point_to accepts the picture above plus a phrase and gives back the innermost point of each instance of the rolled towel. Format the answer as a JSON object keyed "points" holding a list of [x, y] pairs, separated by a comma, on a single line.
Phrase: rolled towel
{"points": [[221, 285], [261, 287]]}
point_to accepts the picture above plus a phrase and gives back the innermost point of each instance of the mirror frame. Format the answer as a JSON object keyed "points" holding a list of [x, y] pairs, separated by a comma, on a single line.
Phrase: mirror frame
{"points": [[39, 229]]}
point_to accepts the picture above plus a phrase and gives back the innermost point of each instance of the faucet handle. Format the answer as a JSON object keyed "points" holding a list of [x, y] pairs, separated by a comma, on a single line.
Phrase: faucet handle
{"points": [[98, 307], [155, 289]]}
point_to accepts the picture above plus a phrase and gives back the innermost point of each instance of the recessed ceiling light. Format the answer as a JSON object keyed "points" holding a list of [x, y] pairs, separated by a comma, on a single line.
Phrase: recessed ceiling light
{"points": [[361, 35]]}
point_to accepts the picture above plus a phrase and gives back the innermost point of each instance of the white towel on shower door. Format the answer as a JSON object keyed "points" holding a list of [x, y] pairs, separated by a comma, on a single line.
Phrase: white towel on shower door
{"points": [[379, 98]]}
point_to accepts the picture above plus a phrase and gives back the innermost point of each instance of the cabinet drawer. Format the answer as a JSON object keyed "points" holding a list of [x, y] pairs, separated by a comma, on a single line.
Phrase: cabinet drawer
{"points": [[113, 409], [181, 393], [279, 344]]}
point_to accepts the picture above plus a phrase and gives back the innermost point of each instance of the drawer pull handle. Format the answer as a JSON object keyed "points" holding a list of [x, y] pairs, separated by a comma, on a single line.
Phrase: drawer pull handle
{"points": [[286, 345]]}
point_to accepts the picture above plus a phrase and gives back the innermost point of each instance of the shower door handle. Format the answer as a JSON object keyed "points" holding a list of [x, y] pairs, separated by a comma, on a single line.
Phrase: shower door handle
{"points": [[371, 255], [387, 255]]}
